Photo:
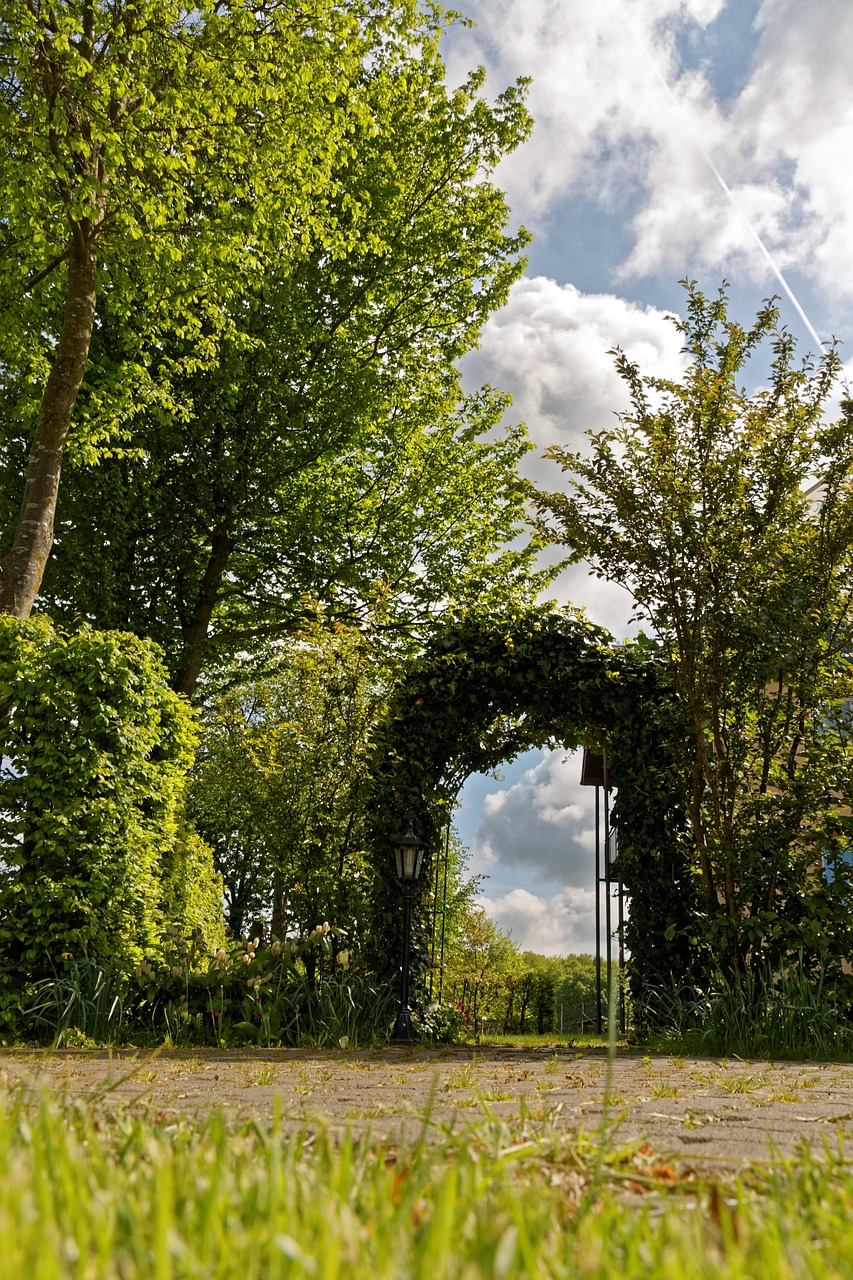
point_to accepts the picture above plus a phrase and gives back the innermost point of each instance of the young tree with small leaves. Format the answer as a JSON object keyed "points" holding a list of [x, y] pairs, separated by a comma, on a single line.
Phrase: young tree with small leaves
{"points": [[279, 783], [729, 517]]}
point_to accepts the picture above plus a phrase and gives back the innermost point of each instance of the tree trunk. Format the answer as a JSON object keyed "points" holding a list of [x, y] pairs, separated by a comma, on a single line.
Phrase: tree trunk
{"points": [[196, 630], [23, 568], [277, 924]]}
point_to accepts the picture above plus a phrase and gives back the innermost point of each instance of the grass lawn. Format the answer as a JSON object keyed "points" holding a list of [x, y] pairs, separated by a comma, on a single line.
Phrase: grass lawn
{"points": [[90, 1192]]}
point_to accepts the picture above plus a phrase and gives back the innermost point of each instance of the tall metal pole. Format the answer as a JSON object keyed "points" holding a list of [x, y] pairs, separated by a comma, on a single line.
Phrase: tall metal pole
{"points": [[434, 925], [597, 913], [621, 953], [443, 915], [403, 1030], [608, 927]]}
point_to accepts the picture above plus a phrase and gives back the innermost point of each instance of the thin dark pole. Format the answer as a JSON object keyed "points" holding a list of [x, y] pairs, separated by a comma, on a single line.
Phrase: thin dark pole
{"points": [[443, 914], [403, 1030], [608, 927], [621, 956], [434, 925], [597, 914]]}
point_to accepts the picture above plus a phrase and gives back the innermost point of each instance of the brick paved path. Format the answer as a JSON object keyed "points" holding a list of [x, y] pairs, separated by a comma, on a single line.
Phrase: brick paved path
{"points": [[701, 1110]]}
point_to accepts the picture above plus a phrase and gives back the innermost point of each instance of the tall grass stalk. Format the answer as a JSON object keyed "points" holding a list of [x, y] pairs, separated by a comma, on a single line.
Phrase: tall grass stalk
{"points": [[592, 1193]]}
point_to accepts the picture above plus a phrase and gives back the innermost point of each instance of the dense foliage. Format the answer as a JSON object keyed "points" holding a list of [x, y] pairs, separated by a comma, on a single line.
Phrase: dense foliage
{"points": [[295, 423], [243, 249]]}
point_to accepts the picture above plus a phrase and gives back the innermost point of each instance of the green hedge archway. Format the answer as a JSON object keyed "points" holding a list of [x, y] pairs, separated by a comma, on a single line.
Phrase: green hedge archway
{"points": [[485, 691]]}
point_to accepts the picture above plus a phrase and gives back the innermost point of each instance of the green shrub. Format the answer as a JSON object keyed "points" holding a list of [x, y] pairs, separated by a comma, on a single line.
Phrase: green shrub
{"points": [[440, 1023], [249, 992], [96, 748], [343, 1011]]}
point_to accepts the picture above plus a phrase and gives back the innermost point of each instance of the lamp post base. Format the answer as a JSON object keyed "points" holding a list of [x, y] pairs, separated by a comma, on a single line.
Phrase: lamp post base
{"points": [[404, 1032]]}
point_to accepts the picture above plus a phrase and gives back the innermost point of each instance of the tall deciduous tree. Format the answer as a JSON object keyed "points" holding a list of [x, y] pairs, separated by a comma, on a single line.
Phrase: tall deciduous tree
{"points": [[702, 502], [150, 147], [330, 449]]}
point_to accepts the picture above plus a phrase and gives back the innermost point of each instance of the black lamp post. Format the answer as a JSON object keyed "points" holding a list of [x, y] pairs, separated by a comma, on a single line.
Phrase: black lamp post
{"points": [[409, 853]]}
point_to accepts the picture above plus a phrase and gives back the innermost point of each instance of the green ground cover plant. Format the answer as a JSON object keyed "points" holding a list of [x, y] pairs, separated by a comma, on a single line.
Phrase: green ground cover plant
{"points": [[87, 1193], [84, 998]]}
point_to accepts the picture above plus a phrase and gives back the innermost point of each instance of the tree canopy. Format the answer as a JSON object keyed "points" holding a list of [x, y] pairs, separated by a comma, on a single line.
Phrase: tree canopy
{"points": [[161, 159], [295, 422]]}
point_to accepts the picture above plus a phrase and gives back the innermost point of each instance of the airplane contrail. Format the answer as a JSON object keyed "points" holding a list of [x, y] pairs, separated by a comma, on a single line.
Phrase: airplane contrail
{"points": [[709, 160]]}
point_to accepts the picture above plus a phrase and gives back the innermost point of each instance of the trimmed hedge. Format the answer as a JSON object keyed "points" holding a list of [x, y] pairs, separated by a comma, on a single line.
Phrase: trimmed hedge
{"points": [[95, 753]]}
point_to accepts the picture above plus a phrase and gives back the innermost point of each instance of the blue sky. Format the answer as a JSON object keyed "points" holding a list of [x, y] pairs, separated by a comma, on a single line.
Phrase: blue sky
{"points": [[631, 99]]}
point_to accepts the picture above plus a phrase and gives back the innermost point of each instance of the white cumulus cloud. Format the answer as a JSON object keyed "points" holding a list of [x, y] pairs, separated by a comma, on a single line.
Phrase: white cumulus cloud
{"points": [[624, 123], [549, 348], [594, 92], [542, 827], [559, 925]]}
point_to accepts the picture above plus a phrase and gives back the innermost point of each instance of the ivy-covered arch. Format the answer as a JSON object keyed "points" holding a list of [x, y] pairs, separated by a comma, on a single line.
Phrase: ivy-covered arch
{"points": [[486, 690]]}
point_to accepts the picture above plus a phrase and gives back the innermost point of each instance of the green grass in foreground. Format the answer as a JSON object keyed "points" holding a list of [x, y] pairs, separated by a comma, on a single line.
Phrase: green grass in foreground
{"points": [[89, 1194]]}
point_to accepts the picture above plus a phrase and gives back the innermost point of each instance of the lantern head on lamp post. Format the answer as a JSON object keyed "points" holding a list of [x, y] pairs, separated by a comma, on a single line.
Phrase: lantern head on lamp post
{"points": [[409, 855]]}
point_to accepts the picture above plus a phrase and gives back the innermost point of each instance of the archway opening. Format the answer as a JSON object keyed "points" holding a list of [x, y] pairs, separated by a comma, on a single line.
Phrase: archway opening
{"points": [[536, 845]]}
